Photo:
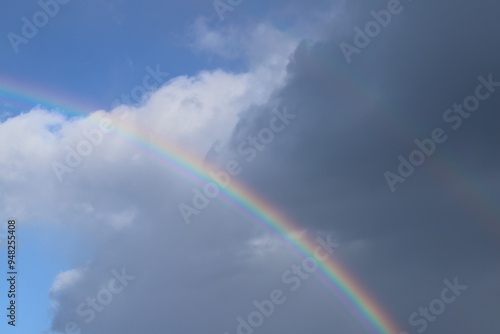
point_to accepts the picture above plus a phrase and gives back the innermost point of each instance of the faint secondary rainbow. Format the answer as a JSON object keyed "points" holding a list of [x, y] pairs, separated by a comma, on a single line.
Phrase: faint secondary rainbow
{"points": [[255, 209]]}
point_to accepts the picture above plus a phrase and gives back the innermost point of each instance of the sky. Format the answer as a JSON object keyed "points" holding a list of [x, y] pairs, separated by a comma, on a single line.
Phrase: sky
{"points": [[180, 167]]}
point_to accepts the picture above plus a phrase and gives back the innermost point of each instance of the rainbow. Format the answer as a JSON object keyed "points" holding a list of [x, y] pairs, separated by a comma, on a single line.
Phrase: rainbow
{"points": [[13, 98], [256, 209]]}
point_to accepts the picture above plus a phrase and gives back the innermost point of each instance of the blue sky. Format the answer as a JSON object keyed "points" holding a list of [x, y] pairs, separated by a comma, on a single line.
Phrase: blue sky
{"points": [[355, 116], [37, 244], [101, 48]]}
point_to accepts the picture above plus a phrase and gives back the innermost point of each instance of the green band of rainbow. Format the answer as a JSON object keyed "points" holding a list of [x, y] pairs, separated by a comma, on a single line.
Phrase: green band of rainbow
{"points": [[258, 211], [269, 219]]}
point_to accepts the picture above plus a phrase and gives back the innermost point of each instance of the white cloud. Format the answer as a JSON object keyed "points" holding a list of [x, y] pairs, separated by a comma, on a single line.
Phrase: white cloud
{"points": [[65, 279], [261, 46], [191, 112]]}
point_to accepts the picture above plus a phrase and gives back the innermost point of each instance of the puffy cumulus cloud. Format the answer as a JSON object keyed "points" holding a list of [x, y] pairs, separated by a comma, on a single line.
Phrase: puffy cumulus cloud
{"points": [[192, 113], [209, 105], [65, 279], [146, 259], [24, 160], [38, 142]]}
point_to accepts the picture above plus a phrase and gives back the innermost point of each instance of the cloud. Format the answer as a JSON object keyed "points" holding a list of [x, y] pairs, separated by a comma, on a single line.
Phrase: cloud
{"points": [[65, 279], [260, 46]]}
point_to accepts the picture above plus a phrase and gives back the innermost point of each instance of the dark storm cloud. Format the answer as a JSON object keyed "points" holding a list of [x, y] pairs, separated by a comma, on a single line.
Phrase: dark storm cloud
{"points": [[354, 120]]}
